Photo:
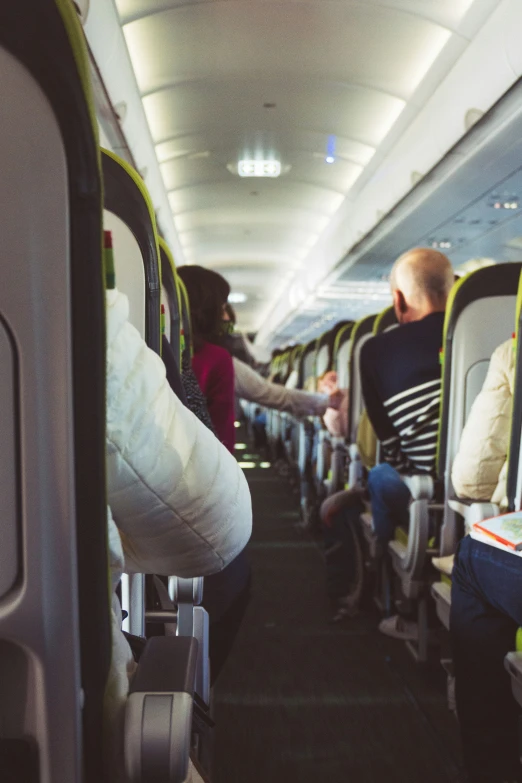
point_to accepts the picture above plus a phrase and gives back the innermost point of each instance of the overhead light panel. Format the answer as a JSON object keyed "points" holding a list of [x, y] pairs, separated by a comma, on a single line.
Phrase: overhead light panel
{"points": [[259, 168], [237, 298]]}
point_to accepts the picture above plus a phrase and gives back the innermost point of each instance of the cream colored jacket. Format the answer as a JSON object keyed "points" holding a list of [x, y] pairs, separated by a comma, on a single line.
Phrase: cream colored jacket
{"points": [[179, 503], [480, 469], [251, 386]]}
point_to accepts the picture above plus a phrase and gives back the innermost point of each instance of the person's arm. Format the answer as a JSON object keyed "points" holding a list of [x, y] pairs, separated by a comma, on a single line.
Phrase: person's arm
{"points": [[484, 442], [379, 419], [251, 386], [179, 499]]}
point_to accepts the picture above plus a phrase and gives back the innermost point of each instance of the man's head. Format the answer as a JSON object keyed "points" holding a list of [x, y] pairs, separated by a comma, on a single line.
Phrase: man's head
{"points": [[420, 280]]}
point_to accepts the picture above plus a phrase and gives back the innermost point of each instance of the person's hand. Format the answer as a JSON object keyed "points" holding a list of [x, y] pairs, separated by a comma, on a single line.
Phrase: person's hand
{"points": [[328, 383], [335, 399]]}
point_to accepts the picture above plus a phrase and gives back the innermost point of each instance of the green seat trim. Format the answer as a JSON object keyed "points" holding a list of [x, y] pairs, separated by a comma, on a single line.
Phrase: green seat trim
{"points": [[138, 181], [401, 536], [513, 443], [380, 318], [445, 579], [186, 338], [80, 52], [340, 334], [447, 317], [518, 640]]}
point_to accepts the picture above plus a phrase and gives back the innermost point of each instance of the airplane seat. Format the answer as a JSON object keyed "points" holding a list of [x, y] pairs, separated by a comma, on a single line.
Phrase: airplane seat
{"points": [[321, 451], [513, 660], [129, 215], [362, 332], [306, 434], [376, 561], [55, 642], [479, 317], [171, 300], [55, 623], [340, 364], [325, 361]]}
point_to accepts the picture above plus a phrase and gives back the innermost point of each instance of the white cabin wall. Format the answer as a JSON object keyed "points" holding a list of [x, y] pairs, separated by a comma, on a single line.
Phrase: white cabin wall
{"points": [[107, 42], [488, 67]]}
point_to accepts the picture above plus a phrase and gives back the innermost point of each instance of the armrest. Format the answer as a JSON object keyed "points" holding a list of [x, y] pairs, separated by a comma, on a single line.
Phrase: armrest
{"points": [[473, 511], [158, 716]]}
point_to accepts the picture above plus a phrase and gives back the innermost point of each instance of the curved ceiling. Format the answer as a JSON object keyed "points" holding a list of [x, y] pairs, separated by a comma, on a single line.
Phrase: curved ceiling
{"points": [[227, 80]]}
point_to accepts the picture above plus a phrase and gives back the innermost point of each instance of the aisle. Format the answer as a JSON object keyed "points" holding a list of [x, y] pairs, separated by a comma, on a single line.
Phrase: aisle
{"points": [[301, 701]]}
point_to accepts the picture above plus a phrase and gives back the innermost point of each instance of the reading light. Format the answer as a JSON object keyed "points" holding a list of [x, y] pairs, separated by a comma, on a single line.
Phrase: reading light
{"points": [[259, 168], [330, 150], [237, 298]]}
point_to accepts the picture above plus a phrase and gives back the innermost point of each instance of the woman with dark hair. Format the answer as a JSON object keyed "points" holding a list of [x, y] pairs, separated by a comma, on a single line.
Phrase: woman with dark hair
{"points": [[226, 594], [212, 364]]}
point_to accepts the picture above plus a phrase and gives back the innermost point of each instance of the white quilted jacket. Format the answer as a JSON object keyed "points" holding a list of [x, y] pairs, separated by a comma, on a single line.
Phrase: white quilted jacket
{"points": [[479, 470], [179, 500]]}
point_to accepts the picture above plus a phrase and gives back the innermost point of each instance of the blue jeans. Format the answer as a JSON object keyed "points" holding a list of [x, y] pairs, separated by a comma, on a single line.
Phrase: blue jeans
{"points": [[486, 610], [390, 498]]}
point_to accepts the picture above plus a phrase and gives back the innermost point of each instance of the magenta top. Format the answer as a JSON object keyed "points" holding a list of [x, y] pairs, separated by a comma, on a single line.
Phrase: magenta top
{"points": [[214, 370]]}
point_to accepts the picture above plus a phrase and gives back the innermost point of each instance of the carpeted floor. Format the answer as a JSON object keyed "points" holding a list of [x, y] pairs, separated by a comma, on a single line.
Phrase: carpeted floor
{"points": [[302, 701]]}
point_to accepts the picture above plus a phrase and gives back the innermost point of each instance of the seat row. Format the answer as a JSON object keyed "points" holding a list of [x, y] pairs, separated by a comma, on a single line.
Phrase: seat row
{"points": [[483, 310], [61, 192]]}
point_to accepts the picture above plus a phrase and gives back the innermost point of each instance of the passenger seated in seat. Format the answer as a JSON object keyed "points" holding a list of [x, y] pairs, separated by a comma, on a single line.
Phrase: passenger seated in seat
{"points": [[180, 504], [340, 515], [486, 594], [401, 381]]}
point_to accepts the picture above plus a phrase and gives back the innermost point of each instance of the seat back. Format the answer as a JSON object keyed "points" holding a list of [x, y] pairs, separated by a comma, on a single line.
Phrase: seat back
{"points": [[362, 332], [514, 477], [479, 316], [55, 618], [341, 355], [186, 325], [306, 363], [385, 320], [284, 366], [170, 298], [129, 215]]}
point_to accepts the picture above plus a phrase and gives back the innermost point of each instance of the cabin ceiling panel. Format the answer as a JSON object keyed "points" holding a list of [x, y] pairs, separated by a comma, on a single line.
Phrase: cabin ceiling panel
{"points": [[222, 109], [296, 139], [447, 13], [254, 235], [231, 194], [305, 166], [359, 43], [251, 216], [285, 80]]}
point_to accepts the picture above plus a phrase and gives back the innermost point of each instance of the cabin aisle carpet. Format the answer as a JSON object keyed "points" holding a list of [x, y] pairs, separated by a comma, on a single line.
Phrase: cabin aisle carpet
{"points": [[303, 701]]}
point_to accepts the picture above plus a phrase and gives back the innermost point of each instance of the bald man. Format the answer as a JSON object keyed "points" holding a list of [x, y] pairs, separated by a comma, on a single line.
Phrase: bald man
{"points": [[401, 382]]}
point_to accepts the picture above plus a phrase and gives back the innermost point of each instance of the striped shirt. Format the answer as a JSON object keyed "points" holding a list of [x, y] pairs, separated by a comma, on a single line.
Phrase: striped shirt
{"points": [[401, 381]]}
